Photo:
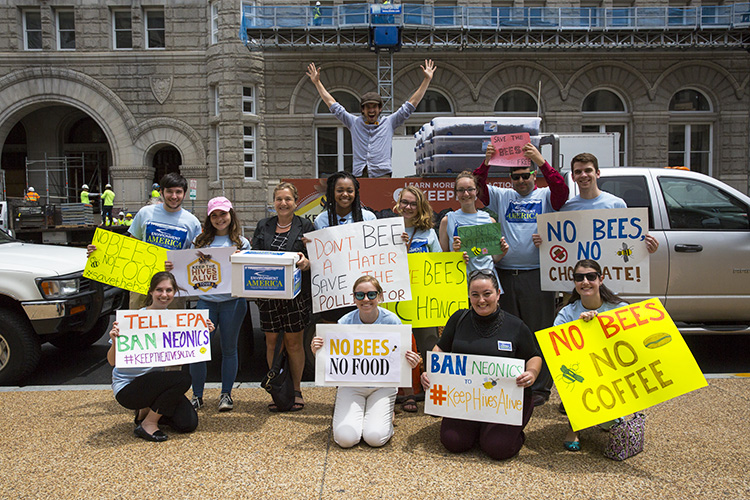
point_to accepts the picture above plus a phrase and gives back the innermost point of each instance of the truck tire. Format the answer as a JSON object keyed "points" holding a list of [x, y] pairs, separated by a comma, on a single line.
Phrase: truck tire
{"points": [[76, 341], [20, 349]]}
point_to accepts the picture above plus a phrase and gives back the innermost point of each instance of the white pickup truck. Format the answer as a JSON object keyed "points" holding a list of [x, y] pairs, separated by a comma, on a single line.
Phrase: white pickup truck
{"points": [[44, 298], [701, 271]]}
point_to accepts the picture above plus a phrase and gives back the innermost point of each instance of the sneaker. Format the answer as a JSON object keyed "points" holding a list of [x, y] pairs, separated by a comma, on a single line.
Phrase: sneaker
{"points": [[225, 402], [196, 402]]}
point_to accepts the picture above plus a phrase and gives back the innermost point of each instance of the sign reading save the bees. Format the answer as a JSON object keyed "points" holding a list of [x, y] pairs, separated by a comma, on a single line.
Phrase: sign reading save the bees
{"points": [[613, 237], [620, 362]]}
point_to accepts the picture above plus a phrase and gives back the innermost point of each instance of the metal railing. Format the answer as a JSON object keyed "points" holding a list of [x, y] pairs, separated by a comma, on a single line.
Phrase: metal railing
{"points": [[709, 17]]}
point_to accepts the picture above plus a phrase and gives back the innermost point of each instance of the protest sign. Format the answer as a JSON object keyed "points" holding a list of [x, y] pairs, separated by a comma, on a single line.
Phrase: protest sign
{"points": [[481, 240], [438, 289], [509, 150], [363, 356], [341, 254], [622, 361], [203, 271], [151, 337], [613, 237], [470, 387], [123, 261]]}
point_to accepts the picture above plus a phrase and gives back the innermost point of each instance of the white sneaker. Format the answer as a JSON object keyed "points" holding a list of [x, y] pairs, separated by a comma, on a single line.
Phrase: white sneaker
{"points": [[196, 402], [225, 402]]}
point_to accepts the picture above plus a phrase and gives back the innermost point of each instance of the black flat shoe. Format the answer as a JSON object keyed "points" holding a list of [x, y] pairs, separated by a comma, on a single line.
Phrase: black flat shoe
{"points": [[157, 437], [137, 421]]}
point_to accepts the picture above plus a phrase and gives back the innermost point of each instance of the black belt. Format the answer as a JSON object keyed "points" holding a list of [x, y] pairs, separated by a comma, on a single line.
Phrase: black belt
{"points": [[516, 272]]}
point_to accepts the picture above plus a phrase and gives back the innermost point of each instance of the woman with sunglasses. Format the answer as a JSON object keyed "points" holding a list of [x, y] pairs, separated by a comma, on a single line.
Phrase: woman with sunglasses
{"points": [[589, 297], [419, 237], [467, 191], [487, 330], [365, 412]]}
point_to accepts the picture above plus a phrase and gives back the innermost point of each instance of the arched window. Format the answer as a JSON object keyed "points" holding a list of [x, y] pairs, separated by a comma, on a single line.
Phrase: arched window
{"points": [[605, 112], [690, 131], [333, 141], [434, 102], [516, 101]]}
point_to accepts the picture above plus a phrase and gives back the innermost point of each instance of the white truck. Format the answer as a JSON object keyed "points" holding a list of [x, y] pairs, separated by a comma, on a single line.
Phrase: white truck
{"points": [[45, 298]]}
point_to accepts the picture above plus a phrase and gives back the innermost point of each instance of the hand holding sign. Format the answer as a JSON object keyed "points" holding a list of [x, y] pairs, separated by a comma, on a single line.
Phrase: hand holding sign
{"points": [[509, 150]]}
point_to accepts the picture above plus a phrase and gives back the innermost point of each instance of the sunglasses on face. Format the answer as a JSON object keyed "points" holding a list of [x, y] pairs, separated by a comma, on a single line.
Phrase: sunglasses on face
{"points": [[578, 277], [525, 176], [372, 295]]}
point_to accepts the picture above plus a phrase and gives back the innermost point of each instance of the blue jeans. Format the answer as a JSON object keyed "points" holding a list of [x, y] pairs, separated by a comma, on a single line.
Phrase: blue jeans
{"points": [[227, 317]]}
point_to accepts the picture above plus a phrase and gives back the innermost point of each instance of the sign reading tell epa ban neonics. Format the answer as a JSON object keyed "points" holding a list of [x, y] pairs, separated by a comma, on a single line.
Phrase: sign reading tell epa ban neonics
{"points": [[203, 271], [438, 289], [615, 238], [151, 338], [123, 261], [363, 355], [620, 362], [472, 387]]}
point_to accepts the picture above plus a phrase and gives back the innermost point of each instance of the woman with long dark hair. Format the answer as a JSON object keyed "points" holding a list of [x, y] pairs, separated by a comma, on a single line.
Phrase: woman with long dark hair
{"points": [[342, 204], [589, 297]]}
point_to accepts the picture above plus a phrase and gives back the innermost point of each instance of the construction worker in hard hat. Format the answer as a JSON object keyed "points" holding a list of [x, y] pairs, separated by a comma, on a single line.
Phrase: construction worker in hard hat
{"points": [[317, 17], [31, 195], [108, 201], [128, 219], [155, 194], [120, 219]]}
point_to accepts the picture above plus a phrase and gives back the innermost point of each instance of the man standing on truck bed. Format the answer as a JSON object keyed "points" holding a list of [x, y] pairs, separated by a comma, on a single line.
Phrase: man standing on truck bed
{"points": [[108, 202], [31, 195], [584, 169], [518, 270], [372, 134]]}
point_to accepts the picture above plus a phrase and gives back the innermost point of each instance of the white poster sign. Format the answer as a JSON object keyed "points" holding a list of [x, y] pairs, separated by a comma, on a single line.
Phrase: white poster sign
{"points": [[470, 387], [363, 356], [162, 338], [203, 271], [341, 254], [612, 237]]}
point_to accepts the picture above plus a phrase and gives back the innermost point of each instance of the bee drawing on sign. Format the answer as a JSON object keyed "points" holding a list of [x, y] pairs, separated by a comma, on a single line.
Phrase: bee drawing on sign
{"points": [[203, 258], [569, 376], [489, 383], [625, 252]]}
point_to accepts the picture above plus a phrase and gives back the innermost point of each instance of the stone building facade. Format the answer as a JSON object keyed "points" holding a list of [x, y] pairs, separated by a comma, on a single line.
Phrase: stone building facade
{"points": [[136, 88]]}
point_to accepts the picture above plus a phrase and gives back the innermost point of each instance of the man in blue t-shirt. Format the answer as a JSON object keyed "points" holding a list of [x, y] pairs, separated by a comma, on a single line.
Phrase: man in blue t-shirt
{"points": [[518, 270], [584, 168]]}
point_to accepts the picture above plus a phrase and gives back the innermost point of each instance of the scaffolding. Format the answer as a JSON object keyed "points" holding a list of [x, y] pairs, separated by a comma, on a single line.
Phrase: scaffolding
{"points": [[57, 179]]}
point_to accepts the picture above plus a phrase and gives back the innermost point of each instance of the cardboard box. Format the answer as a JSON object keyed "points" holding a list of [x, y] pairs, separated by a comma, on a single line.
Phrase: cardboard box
{"points": [[265, 275]]}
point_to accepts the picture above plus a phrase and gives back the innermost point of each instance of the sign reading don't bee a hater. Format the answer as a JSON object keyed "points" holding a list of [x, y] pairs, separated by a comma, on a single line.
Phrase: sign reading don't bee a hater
{"points": [[363, 356]]}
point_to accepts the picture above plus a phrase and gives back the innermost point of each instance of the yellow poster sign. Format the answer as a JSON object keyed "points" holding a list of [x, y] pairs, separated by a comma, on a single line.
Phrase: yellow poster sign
{"points": [[123, 261], [622, 361], [438, 289]]}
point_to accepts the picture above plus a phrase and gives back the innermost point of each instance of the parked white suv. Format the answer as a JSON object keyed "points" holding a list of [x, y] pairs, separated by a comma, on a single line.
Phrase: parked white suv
{"points": [[44, 298], [701, 271]]}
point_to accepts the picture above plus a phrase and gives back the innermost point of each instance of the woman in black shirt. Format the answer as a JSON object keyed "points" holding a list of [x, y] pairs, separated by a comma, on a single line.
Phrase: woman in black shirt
{"points": [[487, 330]]}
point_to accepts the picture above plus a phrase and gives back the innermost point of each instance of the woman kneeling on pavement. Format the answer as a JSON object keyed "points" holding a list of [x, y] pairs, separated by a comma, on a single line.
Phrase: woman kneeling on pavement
{"points": [[481, 330], [589, 297], [365, 412], [156, 395]]}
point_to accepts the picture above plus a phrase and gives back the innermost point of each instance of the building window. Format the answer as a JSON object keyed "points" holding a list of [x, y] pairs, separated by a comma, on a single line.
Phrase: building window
{"points": [[32, 30], [215, 99], [66, 30], [690, 131], [214, 22], [605, 112], [334, 150], [155, 33], [122, 29], [248, 100], [434, 102], [516, 101], [333, 143], [248, 138]]}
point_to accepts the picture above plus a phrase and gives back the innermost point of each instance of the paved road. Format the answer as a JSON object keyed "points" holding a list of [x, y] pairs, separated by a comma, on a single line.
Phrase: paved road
{"points": [[714, 353]]}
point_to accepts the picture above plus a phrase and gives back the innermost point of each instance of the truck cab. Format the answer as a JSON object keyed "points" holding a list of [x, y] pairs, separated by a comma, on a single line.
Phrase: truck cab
{"points": [[701, 271]]}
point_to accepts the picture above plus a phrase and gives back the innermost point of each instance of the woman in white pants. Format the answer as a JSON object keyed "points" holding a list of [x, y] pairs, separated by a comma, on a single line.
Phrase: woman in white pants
{"points": [[365, 412]]}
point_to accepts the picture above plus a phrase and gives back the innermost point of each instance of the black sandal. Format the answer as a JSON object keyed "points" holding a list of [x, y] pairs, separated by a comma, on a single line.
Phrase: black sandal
{"points": [[297, 406], [410, 404]]}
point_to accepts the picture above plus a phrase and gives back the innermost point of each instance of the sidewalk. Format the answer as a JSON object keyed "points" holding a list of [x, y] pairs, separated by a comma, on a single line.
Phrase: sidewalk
{"points": [[80, 444]]}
